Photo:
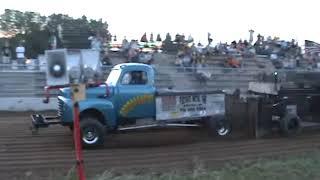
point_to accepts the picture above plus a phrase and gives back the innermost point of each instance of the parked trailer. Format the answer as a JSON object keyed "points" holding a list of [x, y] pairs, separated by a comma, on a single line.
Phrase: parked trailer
{"points": [[128, 98]]}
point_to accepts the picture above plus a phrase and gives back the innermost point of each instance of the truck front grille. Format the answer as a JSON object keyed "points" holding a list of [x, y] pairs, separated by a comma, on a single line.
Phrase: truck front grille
{"points": [[60, 107]]}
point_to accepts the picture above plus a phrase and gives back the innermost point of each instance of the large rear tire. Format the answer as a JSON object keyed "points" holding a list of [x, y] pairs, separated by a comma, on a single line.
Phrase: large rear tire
{"points": [[218, 125], [290, 125], [92, 132]]}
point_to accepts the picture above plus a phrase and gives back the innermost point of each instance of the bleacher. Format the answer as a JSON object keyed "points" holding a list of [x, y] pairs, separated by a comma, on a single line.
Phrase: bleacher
{"points": [[222, 78], [30, 83]]}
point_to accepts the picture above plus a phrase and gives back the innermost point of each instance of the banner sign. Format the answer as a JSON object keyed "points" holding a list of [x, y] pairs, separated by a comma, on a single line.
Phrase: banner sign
{"points": [[189, 106]]}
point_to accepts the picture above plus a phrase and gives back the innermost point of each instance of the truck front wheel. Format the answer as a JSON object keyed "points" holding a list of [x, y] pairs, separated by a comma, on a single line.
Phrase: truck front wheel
{"points": [[92, 132]]}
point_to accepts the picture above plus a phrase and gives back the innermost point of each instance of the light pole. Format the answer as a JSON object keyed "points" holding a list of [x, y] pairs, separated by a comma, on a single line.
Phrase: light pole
{"points": [[251, 36]]}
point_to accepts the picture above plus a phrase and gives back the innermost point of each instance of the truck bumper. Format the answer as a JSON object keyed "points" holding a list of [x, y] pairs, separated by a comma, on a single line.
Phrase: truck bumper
{"points": [[40, 121]]}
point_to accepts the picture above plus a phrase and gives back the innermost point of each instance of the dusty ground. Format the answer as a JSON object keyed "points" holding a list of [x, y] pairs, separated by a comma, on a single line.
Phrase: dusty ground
{"points": [[23, 154]]}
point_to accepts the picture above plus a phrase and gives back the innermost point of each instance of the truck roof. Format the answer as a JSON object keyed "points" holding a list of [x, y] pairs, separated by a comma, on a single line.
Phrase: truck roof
{"points": [[132, 65]]}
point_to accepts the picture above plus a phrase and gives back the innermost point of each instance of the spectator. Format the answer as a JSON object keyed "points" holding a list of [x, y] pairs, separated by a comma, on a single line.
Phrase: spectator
{"points": [[95, 42], [159, 38], [202, 74], [168, 37], [20, 50], [200, 48], [193, 48], [144, 38], [209, 38], [133, 52], [125, 44], [233, 62], [53, 40], [178, 61], [190, 39], [6, 52], [177, 38], [151, 37], [182, 38], [246, 43], [186, 60]]}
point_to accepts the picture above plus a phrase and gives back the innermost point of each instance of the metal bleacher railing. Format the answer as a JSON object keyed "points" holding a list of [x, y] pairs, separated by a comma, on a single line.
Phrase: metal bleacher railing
{"points": [[29, 81]]}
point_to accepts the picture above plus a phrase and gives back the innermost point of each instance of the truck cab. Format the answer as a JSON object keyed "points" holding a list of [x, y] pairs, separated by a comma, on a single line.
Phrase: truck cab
{"points": [[128, 95], [133, 91]]}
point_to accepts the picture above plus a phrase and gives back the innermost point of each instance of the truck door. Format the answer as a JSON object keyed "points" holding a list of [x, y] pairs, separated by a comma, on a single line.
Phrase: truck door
{"points": [[136, 95]]}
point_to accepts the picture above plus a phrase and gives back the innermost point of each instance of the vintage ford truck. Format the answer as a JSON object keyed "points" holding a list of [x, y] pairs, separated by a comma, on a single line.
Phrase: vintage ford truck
{"points": [[129, 97]]}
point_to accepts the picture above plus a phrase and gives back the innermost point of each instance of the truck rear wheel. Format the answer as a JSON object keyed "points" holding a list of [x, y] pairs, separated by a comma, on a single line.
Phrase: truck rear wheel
{"points": [[290, 125], [92, 132], [223, 127], [218, 125]]}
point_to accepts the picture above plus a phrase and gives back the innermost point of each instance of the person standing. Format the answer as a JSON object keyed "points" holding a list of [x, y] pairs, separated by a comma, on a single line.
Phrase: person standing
{"points": [[6, 52], [96, 42], [144, 38], [151, 38], [53, 42], [159, 38], [20, 50]]}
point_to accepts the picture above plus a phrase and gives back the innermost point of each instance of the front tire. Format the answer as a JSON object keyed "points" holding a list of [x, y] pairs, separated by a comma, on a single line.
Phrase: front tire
{"points": [[92, 132]]}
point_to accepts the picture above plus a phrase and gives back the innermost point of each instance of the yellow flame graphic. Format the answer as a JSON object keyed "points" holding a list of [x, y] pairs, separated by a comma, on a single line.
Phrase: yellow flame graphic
{"points": [[134, 102]]}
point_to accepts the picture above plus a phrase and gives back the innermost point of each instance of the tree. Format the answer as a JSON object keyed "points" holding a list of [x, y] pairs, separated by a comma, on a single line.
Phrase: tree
{"points": [[35, 30], [16, 22]]}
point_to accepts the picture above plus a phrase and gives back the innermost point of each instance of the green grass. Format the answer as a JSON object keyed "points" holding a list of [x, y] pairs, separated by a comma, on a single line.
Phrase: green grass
{"points": [[304, 166]]}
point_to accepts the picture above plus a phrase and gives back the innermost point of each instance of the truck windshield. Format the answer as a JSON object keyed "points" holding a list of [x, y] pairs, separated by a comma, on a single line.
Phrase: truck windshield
{"points": [[113, 77]]}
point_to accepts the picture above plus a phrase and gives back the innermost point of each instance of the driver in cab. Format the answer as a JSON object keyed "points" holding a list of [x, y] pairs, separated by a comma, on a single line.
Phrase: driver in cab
{"points": [[134, 78]]}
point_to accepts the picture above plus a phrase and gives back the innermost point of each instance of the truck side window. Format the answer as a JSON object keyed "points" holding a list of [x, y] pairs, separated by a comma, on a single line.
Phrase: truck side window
{"points": [[135, 77]]}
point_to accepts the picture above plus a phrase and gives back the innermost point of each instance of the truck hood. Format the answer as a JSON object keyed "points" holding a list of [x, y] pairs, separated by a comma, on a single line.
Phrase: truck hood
{"points": [[91, 92]]}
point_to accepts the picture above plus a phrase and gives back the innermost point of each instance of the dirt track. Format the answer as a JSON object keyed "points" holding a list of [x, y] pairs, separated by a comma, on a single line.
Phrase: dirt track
{"points": [[52, 150]]}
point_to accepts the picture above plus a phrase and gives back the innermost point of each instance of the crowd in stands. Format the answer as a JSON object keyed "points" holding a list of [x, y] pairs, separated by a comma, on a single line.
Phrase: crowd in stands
{"points": [[283, 54], [191, 56]]}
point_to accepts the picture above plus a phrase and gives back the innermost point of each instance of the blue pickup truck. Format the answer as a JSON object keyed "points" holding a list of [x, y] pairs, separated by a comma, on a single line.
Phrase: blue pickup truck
{"points": [[129, 97]]}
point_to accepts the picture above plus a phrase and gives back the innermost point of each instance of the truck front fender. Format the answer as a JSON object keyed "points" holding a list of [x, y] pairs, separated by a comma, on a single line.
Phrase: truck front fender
{"points": [[106, 108]]}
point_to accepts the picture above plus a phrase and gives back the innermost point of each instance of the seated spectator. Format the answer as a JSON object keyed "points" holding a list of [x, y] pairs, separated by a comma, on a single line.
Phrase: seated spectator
{"points": [[186, 61], [202, 74], [133, 53], [178, 61], [199, 48], [179, 57], [233, 62]]}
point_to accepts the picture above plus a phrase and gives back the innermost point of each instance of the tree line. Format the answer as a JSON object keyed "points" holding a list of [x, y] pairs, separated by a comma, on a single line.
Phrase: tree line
{"points": [[36, 31]]}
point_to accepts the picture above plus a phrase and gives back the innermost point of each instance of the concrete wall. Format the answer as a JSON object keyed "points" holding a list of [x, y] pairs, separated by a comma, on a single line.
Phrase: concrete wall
{"points": [[26, 104]]}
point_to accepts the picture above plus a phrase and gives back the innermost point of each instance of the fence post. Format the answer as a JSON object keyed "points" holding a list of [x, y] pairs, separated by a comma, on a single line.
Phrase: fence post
{"points": [[253, 115]]}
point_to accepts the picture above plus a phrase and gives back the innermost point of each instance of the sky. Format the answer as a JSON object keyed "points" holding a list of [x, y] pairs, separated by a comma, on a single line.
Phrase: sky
{"points": [[226, 20]]}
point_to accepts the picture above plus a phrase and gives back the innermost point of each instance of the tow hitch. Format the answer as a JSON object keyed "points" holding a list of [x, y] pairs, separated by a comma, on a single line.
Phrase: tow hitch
{"points": [[40, 121]]}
